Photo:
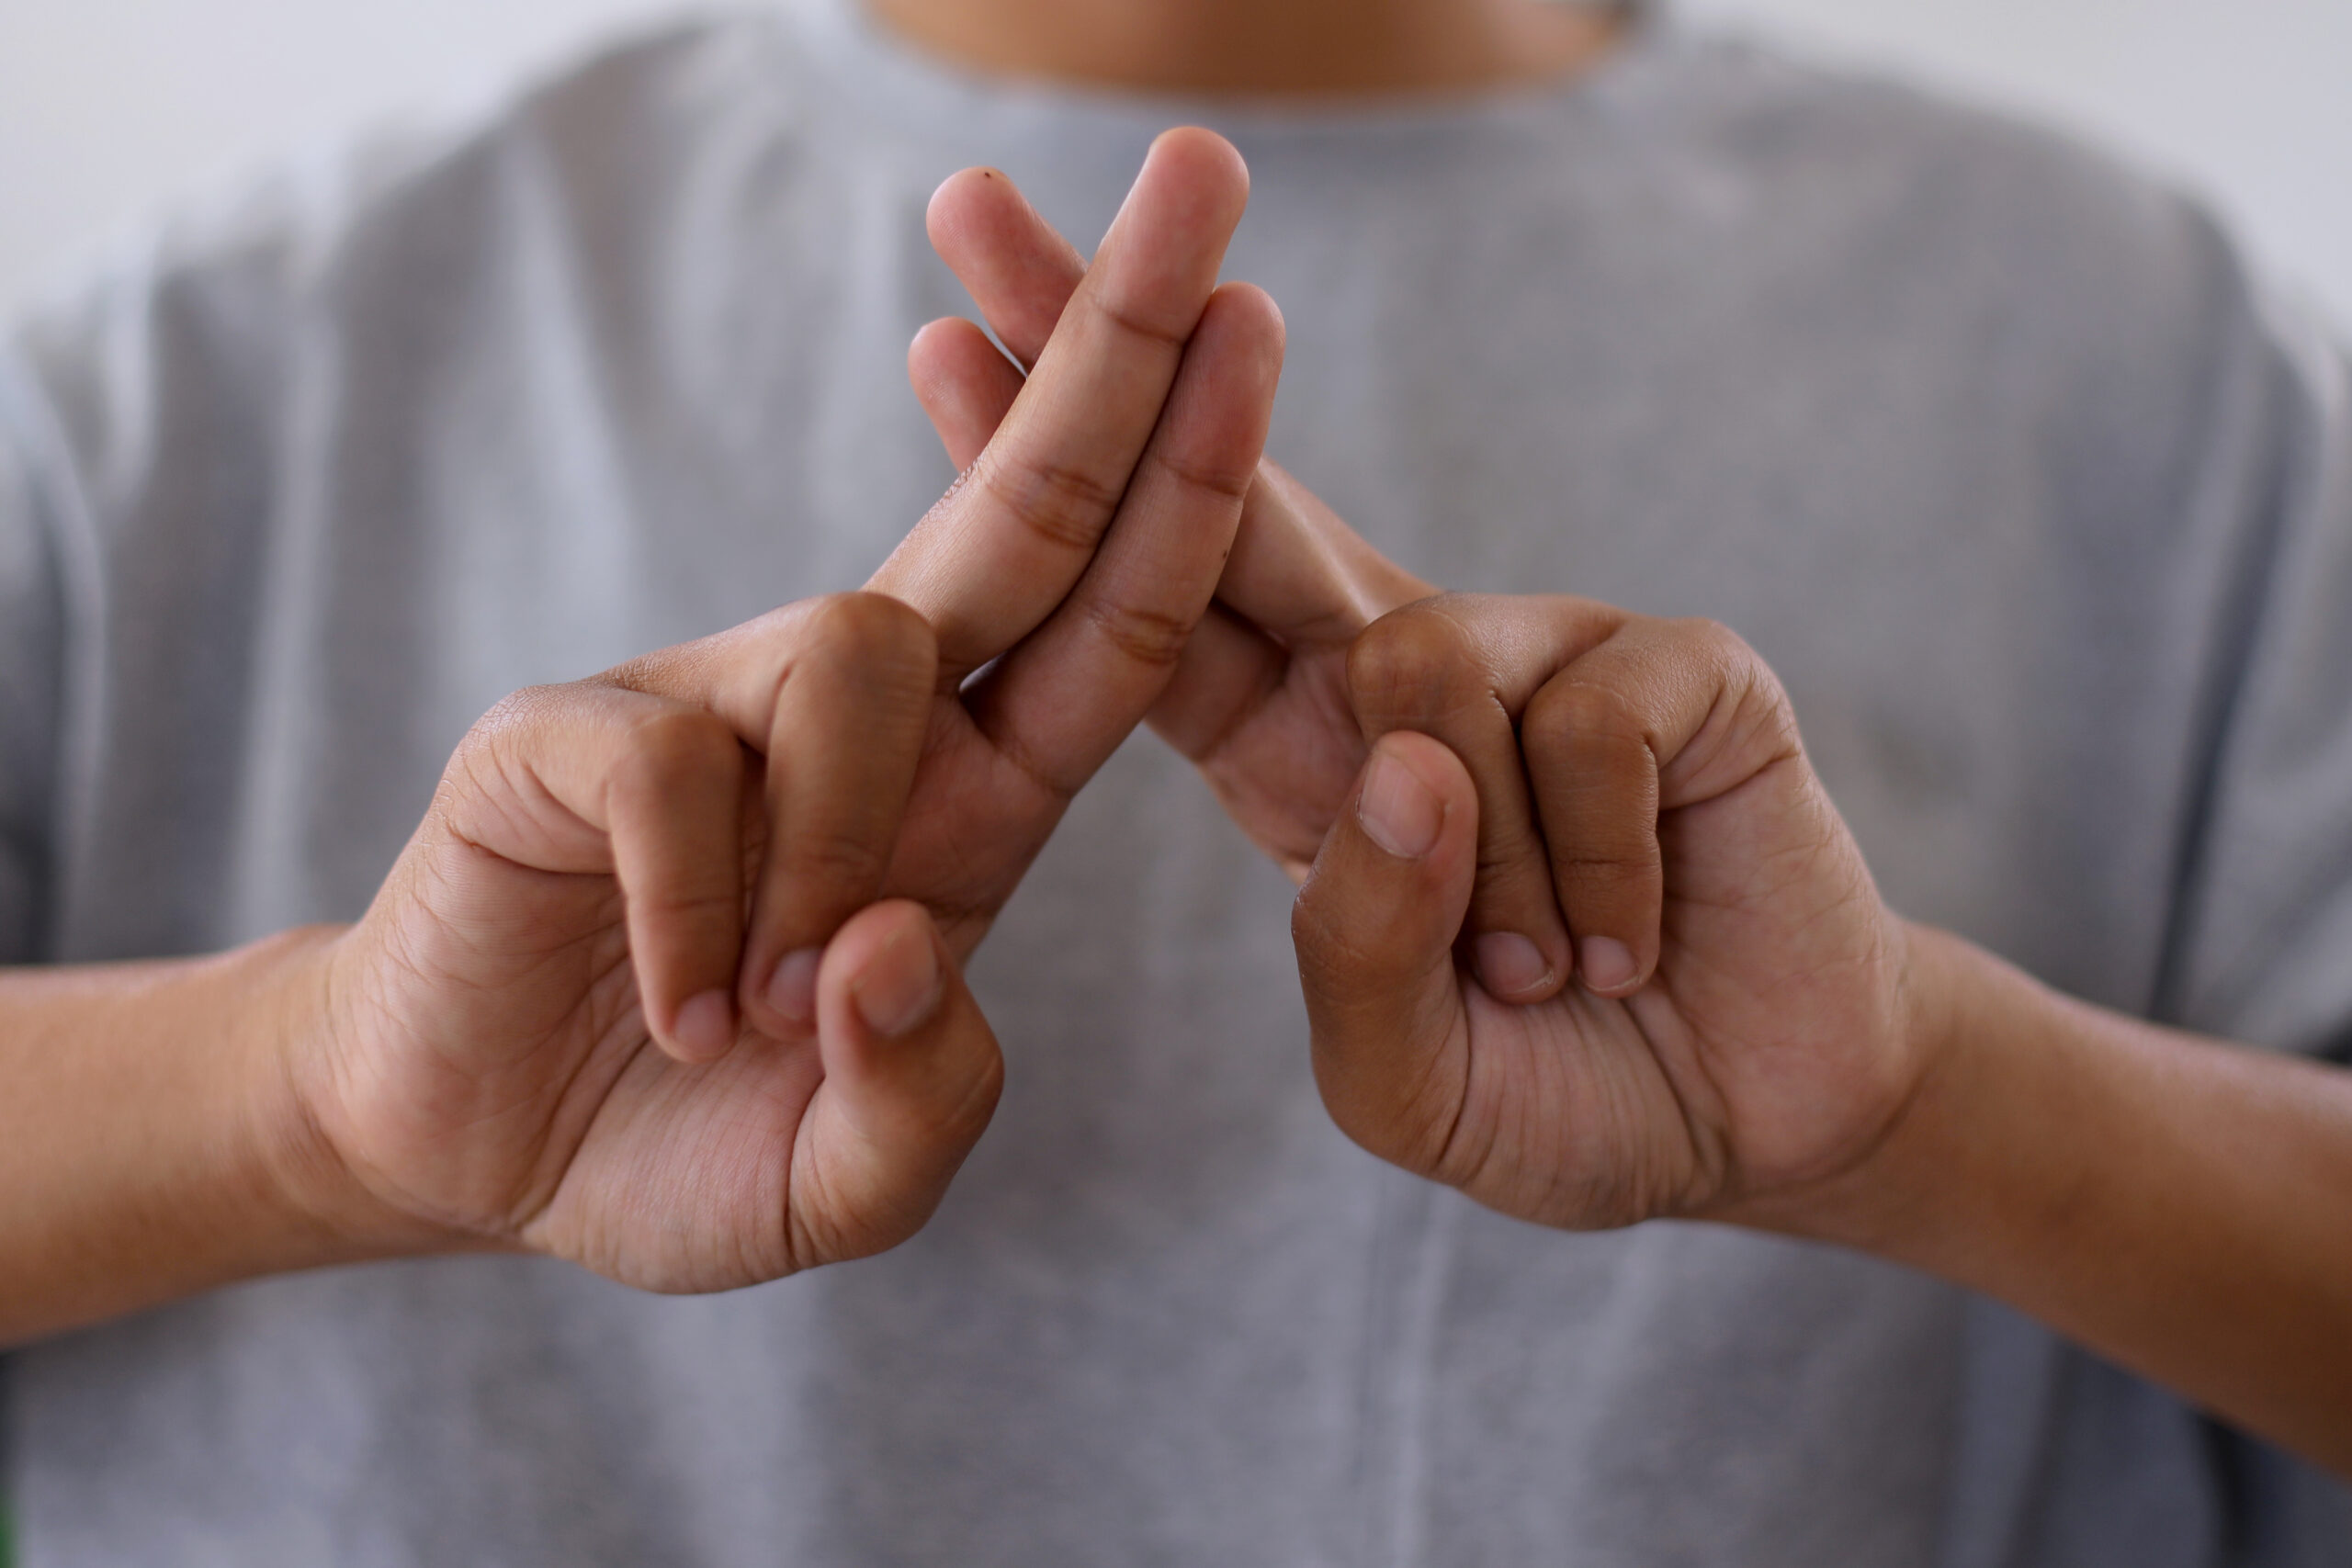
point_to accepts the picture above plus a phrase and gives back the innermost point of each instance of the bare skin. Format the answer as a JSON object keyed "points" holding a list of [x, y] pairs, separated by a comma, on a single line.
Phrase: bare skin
{"points": [[1768, 1044], [1487, 796], [603, 1009], [313, 1109], [1319, 48]]}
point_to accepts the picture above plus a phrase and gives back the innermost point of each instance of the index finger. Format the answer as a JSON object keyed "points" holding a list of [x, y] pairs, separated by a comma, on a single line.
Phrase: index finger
{"points": [[1297, 570], [1003, 548]]}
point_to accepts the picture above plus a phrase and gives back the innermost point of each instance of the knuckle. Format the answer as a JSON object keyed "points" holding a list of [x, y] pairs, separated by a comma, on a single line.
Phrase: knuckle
{"points": [[1511, 871], [838, 862], [1723, 651], [1626, 870], [1224, 481], [1143, 633], [651, 672], [1576, 724], [1127, 317], [1565, 709], [1334, 965], [1062, 503], [673, 749], [1712, 634], [683, 905], [875, 633], [518, 711], [1411, 663]]}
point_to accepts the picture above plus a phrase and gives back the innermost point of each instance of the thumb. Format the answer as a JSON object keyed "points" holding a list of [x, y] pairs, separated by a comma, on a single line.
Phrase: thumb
{"points": [[1375, 927], [911, 1076]]}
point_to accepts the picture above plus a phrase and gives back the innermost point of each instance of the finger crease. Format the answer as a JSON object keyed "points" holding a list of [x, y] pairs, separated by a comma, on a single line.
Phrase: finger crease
{"points": [[1127, 321], [1150, 637], [1216, 479], [1063, 505]]}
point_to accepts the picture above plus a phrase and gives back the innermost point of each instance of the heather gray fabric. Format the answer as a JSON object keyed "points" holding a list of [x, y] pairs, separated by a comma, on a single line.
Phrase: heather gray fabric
{"points": [[2043, 513]]}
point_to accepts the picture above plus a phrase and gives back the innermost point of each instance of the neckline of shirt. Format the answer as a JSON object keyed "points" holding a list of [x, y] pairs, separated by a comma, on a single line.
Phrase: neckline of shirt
{"points": [[921, 86]]}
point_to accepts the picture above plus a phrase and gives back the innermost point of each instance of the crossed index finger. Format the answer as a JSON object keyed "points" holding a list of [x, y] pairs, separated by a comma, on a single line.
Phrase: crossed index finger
{"points": [[1003, 548]]}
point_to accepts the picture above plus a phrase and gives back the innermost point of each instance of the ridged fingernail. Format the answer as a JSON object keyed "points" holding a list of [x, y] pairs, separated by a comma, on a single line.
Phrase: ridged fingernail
{"points": [[1608, 963], [1509, 964], [1398, 811], [792, 988], [706, 1025], [900, 985]]}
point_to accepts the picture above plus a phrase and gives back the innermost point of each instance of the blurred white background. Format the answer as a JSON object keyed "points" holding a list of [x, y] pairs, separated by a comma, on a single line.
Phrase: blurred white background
{"points": [[110, 108]]}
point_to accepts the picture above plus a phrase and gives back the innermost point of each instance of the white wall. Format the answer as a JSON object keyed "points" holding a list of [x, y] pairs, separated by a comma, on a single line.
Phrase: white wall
{"points": [[2247, 101], [109, 106]]}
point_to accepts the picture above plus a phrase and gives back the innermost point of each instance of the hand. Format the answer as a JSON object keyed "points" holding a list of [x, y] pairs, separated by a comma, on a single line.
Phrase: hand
{"points": [[1744, 1036], [1755, 1037], [1261, 700], [1741, 1029], [629, 996]]}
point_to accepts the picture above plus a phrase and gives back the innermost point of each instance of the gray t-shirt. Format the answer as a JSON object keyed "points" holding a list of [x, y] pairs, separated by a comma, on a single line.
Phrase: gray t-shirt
{"points": [[2043, 512]]}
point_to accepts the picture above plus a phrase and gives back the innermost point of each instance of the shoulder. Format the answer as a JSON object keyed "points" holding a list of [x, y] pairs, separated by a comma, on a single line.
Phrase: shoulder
{"points": [[1879, 135], [1960, 195], [401, 235], [2053, 287]]}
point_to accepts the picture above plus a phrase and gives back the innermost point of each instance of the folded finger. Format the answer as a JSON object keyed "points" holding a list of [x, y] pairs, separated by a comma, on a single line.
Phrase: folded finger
{"points": [[1656, 715], [1428, 669], [663, 782], [843, 741]]}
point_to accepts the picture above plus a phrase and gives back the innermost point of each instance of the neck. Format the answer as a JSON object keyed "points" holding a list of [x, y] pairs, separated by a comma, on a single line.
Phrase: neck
{"points": [[1260, 47]]}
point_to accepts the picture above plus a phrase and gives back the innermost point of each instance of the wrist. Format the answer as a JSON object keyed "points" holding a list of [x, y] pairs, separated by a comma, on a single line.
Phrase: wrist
{"points": [[320, 1210], [151, 1144], [1980, 1166], [1901, 1185]]}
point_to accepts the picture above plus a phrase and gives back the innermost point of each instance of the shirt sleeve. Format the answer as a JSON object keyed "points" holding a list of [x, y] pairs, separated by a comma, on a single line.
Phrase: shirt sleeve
{"points": [[32, 671], [2262, 939]]}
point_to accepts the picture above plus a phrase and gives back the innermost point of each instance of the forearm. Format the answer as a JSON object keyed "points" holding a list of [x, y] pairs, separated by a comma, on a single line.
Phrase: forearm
{"points": [[150, 1136], [2182, 1206]]}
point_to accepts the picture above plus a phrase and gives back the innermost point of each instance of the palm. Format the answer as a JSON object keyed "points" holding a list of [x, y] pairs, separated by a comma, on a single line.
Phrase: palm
{"points": [[1731, 1068], [669, 981], [1749, 1061], [541, 1110]]}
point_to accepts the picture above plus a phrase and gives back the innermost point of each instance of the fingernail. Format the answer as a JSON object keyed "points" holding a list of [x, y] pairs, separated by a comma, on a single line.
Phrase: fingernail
{"points": [[900, 987], [1398, 810], [1509, 964], [792, 988], [1608, 963], [706, 1025]]}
